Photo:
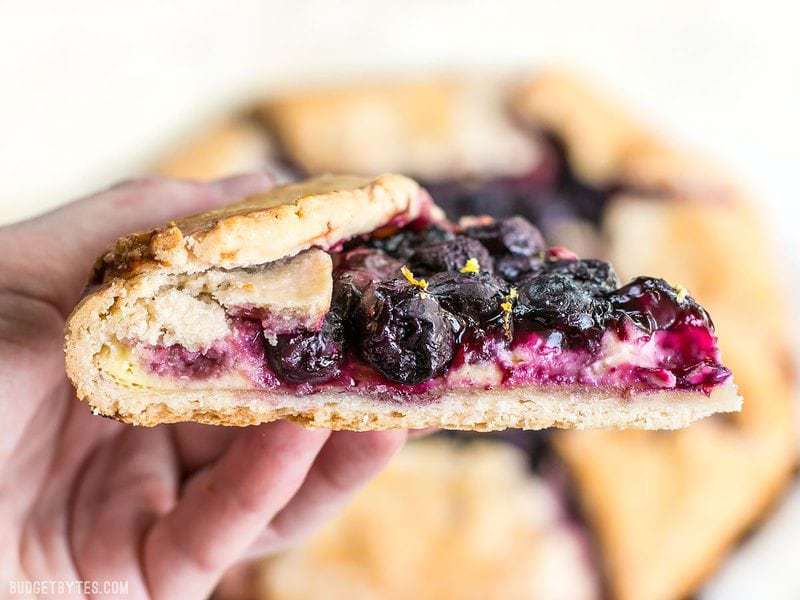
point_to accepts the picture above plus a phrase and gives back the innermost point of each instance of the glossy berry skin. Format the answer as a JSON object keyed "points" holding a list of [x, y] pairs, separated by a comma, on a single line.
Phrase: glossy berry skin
{"points": [[557, 300], [450, 256], [475, 298], [403, 244], [348, 288], [310, 357], [595, 276], [514, 235], [355, 270], [375, 262], [514, 268], [651, 303], [403, 332]]}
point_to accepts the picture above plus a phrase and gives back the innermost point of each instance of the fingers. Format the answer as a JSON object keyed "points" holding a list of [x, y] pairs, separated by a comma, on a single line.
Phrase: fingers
{"points": [[224, 507], [199, 445], [130, 482], [348, 461], [55, 252]]}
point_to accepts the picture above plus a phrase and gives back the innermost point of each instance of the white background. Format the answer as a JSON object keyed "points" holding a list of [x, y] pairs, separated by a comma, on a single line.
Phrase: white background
{"points": [[92, 91]]}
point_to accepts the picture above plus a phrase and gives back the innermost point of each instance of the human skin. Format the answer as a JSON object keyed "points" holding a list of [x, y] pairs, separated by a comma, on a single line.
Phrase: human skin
{"points": [[166, 509]]}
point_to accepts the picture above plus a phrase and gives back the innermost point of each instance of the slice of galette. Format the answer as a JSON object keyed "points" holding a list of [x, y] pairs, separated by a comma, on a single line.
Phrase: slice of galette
{"points": [[350, 303]]}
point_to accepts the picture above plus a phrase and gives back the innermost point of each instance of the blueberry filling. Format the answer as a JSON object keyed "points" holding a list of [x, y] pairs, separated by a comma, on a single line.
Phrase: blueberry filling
{"points": [[594, 276], [176, 361], [513, 268], [403, 244], [515, 236], [414, 310], [555, 300], [374, 262], [654, 304], [452, 255], [307, 357], [404, 334], [474, 298]]}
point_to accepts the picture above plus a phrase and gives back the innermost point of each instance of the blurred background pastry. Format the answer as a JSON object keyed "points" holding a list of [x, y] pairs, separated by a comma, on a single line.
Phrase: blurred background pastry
{"points": [[596, 179]]}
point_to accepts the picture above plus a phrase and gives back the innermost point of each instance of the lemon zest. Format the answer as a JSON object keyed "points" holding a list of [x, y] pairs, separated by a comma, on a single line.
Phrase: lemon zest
{"points": [[682, 292], [471, 266], [507, 306], [420, 283]]}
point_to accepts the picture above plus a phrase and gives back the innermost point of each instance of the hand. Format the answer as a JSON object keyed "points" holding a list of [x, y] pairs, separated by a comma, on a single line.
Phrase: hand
{"points": [[166, 509]]}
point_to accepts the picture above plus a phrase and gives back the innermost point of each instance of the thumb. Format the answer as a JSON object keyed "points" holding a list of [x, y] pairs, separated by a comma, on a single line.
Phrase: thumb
{"points": [[50, 257]]}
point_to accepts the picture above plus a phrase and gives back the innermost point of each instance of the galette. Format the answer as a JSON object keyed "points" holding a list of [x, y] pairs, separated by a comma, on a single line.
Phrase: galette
{"points": [[352, 303]]}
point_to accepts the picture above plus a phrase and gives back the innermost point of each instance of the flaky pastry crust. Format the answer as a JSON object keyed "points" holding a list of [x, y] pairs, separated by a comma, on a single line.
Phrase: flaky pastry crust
{"points": [[318, 212]]}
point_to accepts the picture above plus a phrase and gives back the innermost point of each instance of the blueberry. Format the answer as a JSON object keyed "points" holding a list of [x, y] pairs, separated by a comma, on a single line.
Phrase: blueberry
{"points": [[653, 304], [557, 300], [402, 245], [375, 262], [348, 287], [515, 235], [403, 332], [595, 276], [473, 297], [451, 255], [309, 356], [514, 267]]}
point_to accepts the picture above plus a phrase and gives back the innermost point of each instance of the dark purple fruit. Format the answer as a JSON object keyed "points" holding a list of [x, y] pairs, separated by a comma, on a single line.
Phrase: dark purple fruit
{"points": [[595, 276], [450, 256], [348, 287], [513, 267], [515, 235], [476, 298], [375, 262], [653, 304], [402, 245], [403, 332], [557, 300], [311, 357]]}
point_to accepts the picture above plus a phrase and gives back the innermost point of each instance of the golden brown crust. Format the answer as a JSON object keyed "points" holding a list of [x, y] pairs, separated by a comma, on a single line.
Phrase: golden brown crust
{"points": [[318, 212]]}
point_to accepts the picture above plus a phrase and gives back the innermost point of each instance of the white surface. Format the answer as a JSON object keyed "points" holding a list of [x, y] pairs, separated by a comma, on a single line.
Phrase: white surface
{"points": [[93, 90]]}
